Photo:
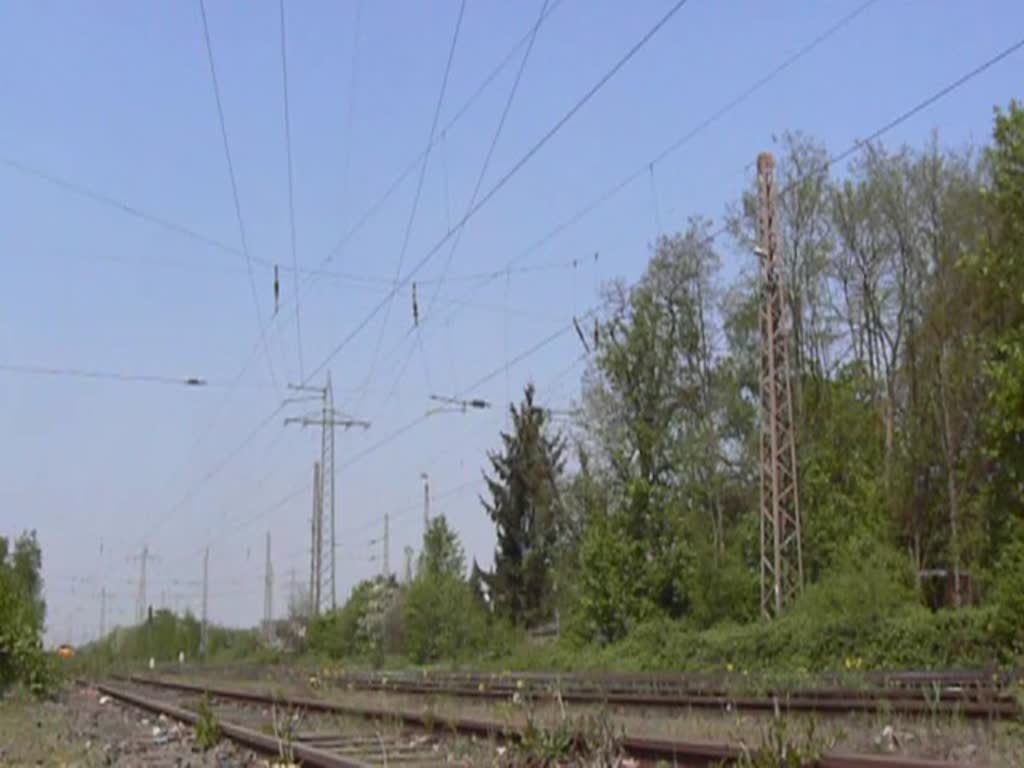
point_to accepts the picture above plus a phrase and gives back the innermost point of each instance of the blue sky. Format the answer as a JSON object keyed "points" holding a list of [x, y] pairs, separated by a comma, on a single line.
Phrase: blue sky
{"points": [[117, 97]]}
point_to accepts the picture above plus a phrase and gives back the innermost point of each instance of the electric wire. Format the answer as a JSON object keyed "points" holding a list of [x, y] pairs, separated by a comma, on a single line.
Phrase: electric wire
{"points": [[389, 301], [485, 166], [505, 178], [101, 198], [291, 187], [396, 183], [107, 200], [234, 190], [615, 189], [834, 159], [90, 373], [492, 191], [350, 114], [537, 146]]}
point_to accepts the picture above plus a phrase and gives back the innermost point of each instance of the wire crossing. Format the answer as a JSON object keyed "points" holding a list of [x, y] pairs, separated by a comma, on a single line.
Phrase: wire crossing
{"points": [[234, 192]]}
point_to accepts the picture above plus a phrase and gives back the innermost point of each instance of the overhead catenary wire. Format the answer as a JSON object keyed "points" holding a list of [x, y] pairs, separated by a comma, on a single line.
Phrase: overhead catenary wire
{"points": [[510, 173], [234, 190], [110, 201], [419, 188], [504, 179], [615, 189], [397, 182], [91, 373], [350, 114], [291, 187], [514, 169], [485, 166], [95, 196], [834, 159], [184, 231]]}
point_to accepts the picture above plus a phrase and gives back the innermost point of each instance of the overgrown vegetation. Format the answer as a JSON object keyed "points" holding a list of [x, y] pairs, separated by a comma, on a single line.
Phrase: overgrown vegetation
{"points": [[780, 749], [905, 285], [164, 636], [22, 616], [436, 616]]}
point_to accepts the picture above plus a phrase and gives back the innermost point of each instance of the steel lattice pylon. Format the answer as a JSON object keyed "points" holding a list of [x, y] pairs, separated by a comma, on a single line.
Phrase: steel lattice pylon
{"points": [[781, 554], [322, 574]]}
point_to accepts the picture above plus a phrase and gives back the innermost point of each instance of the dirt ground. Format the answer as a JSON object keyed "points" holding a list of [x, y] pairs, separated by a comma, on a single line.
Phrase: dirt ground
{"points": [[82, 729]]}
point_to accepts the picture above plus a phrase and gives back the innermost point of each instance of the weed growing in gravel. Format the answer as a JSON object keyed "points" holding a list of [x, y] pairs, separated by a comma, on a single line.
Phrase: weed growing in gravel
{"points": [[586, 741], [207, 726], [285, 724], [780, 750]]}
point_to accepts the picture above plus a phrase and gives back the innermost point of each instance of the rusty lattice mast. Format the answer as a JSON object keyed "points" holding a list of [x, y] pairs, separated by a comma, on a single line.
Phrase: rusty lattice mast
{"points": [[781, 555]]}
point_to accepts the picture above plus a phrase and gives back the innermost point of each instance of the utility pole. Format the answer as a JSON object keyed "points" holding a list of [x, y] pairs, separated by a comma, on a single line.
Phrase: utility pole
{"points": [[387, 546], [408, 564], [327, 419], [426, 501], [103, 612], [316, 545], [203, 637], [268, 592], [781, 553], [141, 606]]}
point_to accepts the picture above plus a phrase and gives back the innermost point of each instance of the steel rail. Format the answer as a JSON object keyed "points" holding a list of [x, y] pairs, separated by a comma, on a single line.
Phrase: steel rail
{"points": [[967, 702], [678, 752], [976, 702], [260, 742]]}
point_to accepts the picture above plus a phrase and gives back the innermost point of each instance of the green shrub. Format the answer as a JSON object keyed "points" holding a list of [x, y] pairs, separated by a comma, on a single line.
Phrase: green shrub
{"points": [[207, 727], [441, 619], [1008, 596], [22, 612], [337, 634]]}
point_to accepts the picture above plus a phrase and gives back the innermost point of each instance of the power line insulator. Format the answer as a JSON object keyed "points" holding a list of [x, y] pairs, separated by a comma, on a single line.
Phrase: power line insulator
{"points": [[277, 291]]}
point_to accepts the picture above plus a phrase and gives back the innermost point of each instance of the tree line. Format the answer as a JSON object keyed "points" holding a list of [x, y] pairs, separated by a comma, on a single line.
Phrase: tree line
{"points": [[904, 279]]}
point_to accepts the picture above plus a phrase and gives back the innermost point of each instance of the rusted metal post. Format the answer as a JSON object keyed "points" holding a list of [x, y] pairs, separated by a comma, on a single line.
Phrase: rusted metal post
{"points": [[781, 552]]}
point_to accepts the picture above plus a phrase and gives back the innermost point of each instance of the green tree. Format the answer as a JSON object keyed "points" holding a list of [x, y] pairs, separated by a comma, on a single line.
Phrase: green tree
{"points": [[22, 615], [27, 566], [1009, 595], [441, 618], [655, 418], [999, 270], [442, 552], [526, 508]]}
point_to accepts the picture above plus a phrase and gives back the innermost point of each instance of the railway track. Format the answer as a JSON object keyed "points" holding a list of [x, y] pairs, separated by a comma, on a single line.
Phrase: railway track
{"points": [[337, 750], [976, 696], [973, 702], [952, 680]]}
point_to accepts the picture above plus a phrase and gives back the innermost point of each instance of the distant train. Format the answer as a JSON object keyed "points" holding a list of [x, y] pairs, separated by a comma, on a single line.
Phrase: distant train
{"points": [[65, 651]]}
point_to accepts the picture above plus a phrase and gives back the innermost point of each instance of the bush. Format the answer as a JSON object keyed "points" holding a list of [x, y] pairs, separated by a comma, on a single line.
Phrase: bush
{"points": [[869, 580], [337, 634], [613, 584], [442, 619], [1009, 597], [864, 615], [22, 612]]}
